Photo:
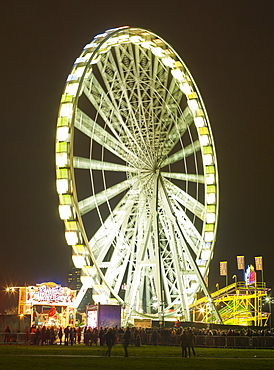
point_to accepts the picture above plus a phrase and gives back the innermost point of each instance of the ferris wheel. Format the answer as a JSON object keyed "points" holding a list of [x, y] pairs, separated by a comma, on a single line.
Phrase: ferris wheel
{"points": [[137, 175]]}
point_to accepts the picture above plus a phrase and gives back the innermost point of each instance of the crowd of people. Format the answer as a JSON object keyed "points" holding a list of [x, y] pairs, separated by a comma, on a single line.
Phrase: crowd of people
{"points": [[89, 336], [186, 337]]}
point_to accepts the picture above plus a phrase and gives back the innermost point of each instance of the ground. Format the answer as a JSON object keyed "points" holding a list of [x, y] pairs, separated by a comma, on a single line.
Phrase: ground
{"points": [[58, 357]]}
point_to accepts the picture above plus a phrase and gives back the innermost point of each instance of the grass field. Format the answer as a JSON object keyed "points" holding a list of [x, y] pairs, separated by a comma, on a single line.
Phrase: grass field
{"points": [[57, 357]]}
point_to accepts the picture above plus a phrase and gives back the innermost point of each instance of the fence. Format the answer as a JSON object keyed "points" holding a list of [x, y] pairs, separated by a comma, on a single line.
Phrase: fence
{"points": [[213, 341], [14, 338]]}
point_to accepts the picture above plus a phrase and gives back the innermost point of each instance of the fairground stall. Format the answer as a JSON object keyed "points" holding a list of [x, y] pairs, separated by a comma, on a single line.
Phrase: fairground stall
{"points": [[48, 304], [103, 315]]}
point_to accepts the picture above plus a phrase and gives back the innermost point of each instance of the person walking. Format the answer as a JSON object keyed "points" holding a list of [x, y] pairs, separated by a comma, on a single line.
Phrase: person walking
{"points": [[127, 339], [190, 342], [43, 335], [66, 332], [37, 336], [102, 336], [72, 336], [79, 333], [7, 334], [154, 337], [110, 341], [60, 334], [184, 343]]}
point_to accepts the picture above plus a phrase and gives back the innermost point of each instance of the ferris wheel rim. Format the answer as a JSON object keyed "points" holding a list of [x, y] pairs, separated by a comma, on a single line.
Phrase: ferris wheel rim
{"points": [[95, 52]]}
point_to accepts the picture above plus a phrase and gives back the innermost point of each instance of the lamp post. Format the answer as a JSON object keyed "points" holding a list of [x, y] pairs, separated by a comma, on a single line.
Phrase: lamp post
{"points": [[21, 299], [11, 290], [235, 279]]}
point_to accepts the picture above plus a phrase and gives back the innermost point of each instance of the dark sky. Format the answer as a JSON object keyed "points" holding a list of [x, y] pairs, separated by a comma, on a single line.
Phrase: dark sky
{"points": [[228, 47]]}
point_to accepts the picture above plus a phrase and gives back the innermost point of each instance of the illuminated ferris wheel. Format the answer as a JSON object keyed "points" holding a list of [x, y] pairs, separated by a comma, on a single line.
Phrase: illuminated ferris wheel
{"points": [[137, 175]]}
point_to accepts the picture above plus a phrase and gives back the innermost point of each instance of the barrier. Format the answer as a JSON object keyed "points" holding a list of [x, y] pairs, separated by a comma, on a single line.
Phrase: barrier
{"points": [[166, 339], [207, 341], [14, 338]]}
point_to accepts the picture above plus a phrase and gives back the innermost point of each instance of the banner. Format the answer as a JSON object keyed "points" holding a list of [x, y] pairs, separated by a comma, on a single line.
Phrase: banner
{"points": [[241, 262], [21, 301], [259, 263], [223, 268]]}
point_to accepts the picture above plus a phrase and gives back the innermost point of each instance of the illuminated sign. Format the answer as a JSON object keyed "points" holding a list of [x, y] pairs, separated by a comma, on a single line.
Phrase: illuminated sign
{"points": [[259, 263], [51, 294], [250, 275], [92, 316], [21, 301], [241, 262], [223, 268]]}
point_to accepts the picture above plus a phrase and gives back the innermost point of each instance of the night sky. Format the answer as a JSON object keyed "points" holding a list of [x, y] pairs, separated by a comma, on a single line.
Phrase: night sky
{"points": [[228, 47]]}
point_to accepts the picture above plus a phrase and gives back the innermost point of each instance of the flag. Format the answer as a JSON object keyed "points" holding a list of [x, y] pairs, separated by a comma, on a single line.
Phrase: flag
{"points": [[259, 263], [223, 268], [241, 262]]}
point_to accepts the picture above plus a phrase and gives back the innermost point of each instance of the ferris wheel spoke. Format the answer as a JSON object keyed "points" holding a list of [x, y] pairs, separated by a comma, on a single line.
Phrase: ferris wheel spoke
{"points": [[154, 89], [90, 128], [177, 131], [169, 109], [173, 95], [109, 113], [113, 78], [187, 230], [137, 78], [191, 234], [125, 237], [166, 266], [193, 205], [183, 153], [185, 177], [92, 164], [200, 279], [123, 99], [122, 270], [117, 224], [173, 256], [144, 257], [135, 280], [88, 204], [100, 100], [136, 268], [118, 97], [159, 109], [108, 231], [116, 264]]}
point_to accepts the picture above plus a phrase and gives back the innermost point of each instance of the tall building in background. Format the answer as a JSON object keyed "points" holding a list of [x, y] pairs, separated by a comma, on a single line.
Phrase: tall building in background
{"points": [[74, 282], [74, 278]]}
